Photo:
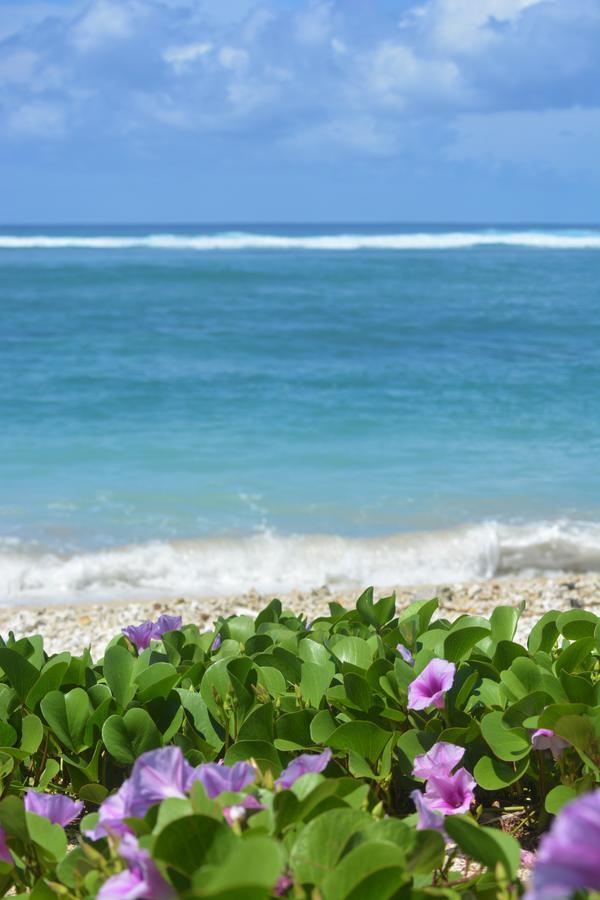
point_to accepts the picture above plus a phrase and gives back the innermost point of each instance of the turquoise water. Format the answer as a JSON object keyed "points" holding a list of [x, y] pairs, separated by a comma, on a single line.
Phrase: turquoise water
{"points": [[203, 409]]}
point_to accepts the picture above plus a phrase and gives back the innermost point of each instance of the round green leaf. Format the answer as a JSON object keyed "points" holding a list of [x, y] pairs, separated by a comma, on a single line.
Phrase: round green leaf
{"points": [[128, 736]]}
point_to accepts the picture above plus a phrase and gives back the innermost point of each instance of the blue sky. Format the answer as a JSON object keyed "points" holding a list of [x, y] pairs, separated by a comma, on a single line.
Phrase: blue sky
{"points": [[299, 110]]}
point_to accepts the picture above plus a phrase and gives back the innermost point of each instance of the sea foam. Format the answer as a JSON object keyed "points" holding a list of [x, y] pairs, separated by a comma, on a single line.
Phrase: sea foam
{"points": [[273, 563], [231, 241]]}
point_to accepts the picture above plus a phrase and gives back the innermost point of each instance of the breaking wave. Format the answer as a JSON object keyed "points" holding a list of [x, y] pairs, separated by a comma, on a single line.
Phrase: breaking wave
{"points": [[456, 240], [272, 563]]}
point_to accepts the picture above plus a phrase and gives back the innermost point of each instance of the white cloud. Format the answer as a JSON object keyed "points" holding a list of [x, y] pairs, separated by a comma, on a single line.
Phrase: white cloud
{"points": [[182, 55], [397, 74], [333, 73], [233, 58], [460, 25], [102, 22], [338, 46], [313, 26], [38, 119]]}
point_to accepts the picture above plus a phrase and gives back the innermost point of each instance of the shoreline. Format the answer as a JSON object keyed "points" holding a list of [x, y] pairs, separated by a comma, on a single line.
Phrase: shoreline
{"points": [[74, 626]]}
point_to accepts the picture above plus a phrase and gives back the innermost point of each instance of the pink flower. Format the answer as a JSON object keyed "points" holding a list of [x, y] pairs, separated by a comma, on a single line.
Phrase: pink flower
{"points": [[140, 881], [440, 760], [237, 811], [450, 794], [527, 858], [57, 808], [5, 854], [218, 778], [112, 812], [405, 654], [546, 739], [156, 775], [568, 859], [430, 686], [306, 762], [166, 623], [426, 817], [140, 635], [282, 885]]}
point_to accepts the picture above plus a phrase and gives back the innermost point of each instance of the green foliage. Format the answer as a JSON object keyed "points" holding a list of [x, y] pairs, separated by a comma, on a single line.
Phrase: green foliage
{"points": [[277, 687]]}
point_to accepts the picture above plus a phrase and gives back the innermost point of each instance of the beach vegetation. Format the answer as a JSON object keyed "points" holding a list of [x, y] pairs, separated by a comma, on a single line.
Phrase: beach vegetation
{"points": [[369, 753]]}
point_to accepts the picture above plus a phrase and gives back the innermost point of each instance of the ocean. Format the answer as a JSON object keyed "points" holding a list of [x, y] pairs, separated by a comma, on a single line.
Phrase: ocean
{"points": [[205, 410]]}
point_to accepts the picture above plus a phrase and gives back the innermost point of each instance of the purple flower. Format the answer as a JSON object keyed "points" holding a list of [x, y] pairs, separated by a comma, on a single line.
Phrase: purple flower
{"points": [[568, 858], [166, 623], [545, 739], [237, 811], [440, 760], [218, 778], [426, 817], [216, 643], [140, 635], [429, 688], [282, 885], [156, 775], [450, 794], [527, 859], [57, 808], [405, 654], [141, 879], [5, 855], [113, 810], [306, 762]]}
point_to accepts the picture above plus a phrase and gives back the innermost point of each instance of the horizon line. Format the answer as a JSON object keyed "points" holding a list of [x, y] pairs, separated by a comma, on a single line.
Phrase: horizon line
{"points": [[502, 223]]}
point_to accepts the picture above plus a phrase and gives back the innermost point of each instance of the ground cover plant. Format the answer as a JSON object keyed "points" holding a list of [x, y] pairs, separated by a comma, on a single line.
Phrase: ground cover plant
{"points": [[368, 753]]}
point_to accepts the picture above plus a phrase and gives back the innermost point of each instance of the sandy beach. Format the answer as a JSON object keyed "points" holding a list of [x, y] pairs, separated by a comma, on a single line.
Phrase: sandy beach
{"points": [[75, 626]]}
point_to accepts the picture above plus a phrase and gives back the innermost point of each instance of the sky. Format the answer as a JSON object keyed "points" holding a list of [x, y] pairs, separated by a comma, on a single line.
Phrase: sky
{"points": [[299, 110]]}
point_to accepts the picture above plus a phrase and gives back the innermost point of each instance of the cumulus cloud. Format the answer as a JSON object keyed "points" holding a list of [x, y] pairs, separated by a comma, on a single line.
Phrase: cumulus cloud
{"points": [[183, 55], [102, 22], [311, 77]]}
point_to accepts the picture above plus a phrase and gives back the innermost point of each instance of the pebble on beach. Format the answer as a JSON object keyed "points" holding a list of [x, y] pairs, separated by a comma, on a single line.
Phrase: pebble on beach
{"points": [[76, 626]]}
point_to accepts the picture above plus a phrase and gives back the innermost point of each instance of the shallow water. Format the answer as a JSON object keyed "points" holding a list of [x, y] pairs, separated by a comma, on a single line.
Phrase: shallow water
{"points": [[297, 405]]}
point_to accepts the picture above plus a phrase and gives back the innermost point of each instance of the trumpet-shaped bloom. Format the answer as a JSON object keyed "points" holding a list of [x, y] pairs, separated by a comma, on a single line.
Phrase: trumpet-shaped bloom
{"points": [[450, 794], [157, 775], [216, 643], [166, 623], [430, 686], [140, 635], [568, 858], [113, 810], [440, 760], [426, 817], [140, 881], [405, 654], [546, 739], [4, 851], [238, 811], [57, 808], [218, 778], [306, 762]]}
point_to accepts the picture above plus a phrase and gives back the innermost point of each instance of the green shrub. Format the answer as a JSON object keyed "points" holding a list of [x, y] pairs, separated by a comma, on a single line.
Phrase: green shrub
{"points": [[276, 687]]}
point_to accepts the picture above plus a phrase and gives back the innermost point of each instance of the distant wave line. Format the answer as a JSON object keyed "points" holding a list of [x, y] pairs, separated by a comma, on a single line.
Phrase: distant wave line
{"points": [[232, 241]]}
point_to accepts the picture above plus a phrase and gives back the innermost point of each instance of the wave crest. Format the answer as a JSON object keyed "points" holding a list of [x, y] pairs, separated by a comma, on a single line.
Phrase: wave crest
{"points": [[272, 563], [231, 241]]}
